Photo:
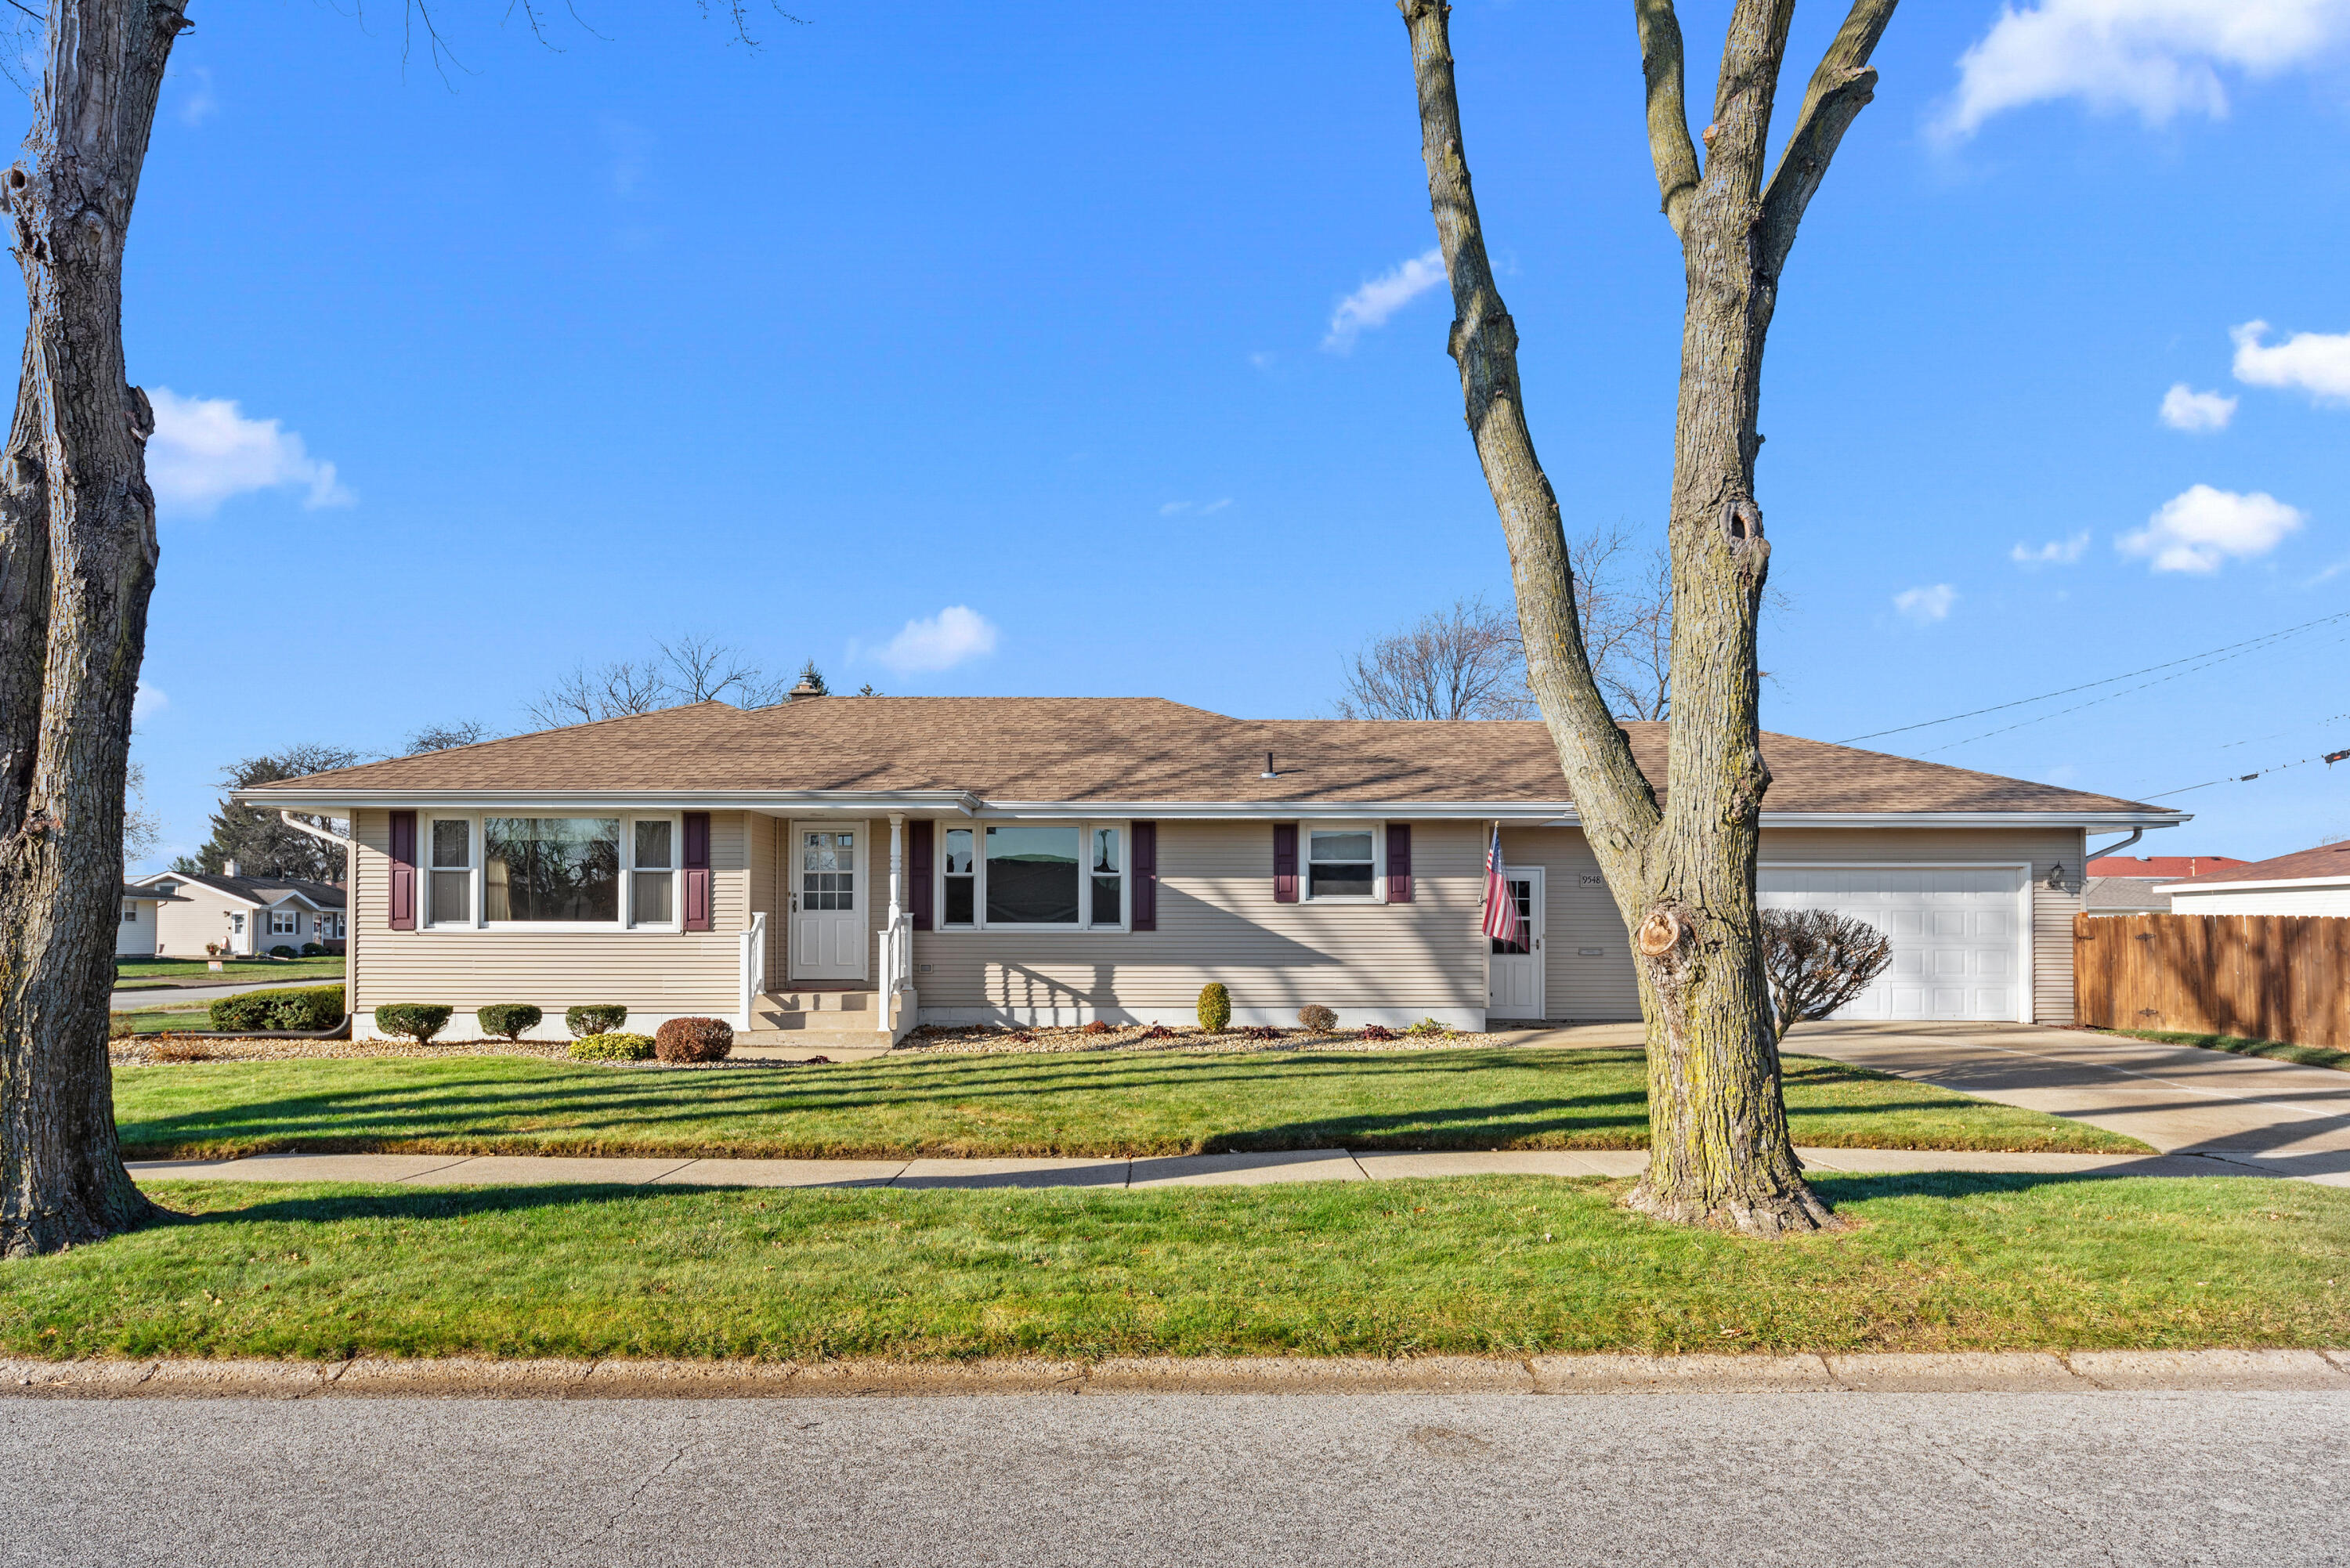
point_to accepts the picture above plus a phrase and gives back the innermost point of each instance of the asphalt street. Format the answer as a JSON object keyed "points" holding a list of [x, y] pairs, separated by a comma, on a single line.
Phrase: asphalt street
{"points": [[1841, 1479]]}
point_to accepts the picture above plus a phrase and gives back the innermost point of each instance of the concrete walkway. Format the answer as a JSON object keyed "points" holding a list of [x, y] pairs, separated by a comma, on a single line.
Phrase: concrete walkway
{"points": [[1157, 1171]]}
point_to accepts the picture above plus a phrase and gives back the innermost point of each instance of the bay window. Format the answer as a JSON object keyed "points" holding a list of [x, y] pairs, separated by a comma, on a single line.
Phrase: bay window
{"points": [[1342, 862], [1051, 876]]}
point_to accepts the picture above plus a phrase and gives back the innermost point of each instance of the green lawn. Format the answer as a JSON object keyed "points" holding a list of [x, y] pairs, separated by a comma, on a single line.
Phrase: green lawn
{"points": [[178, 1015], [1114, 1104], [2274, 1050], [165, 973], [1504, 1265]]}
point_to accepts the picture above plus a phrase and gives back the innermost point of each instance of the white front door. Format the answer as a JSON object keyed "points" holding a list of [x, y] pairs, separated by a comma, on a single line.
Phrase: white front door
{"points": [[1515, 985], [826, 883]]}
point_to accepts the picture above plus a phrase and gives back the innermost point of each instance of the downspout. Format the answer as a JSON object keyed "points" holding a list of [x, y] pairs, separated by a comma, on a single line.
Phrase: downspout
{"points": [[2113, 849]]}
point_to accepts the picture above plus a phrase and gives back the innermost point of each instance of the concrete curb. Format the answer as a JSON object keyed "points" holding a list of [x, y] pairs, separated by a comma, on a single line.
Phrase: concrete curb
{"points": [[1966, 1372]]}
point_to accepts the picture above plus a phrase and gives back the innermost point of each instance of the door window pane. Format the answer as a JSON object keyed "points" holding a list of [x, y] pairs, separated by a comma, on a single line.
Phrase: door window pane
{"points": [[828, 871], [1032, 876], [1522, 895], [556, 868]]}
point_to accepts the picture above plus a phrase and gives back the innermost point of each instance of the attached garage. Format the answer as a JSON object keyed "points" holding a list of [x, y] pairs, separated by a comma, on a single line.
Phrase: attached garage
{"points": [[1961, 934]]}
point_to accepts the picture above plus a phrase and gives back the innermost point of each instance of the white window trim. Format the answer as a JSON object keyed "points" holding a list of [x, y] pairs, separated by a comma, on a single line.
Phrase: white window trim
{"points": [[292, 917], [129, 911], [1378, 831], [1085, 876], [479, 866]]}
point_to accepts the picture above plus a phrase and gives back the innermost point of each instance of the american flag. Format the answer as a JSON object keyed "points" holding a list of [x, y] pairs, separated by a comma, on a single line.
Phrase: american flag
{"points": [[1500, 909]]}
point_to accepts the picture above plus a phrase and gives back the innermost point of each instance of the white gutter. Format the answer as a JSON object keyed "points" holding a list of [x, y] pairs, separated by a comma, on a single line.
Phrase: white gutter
{"points": [[837, 802]]}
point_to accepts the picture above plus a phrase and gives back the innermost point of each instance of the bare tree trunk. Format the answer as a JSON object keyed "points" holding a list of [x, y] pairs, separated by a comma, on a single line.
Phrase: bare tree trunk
{"points": [[1682, 874], [61, 1175]]}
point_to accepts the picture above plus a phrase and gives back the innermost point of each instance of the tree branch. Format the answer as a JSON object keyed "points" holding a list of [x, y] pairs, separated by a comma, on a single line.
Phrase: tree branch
{"points": [[1668, 132], [1618, 807], [1839, 90]]}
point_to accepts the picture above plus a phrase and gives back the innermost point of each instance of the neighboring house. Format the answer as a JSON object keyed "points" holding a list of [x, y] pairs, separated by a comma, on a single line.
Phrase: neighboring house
{"points": [[2306, 882], [135, 935], [242, 915], [890, 860], [2124, 895], [2160, 867]]}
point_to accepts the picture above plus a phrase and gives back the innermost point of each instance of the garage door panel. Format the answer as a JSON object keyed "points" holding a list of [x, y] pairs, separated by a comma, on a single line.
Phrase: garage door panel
{"points": [[1953, 931]]}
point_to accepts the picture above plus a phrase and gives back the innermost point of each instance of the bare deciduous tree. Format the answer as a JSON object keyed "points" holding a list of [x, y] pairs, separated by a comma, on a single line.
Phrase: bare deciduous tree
{"points": [[77, 553], [690, 668], [446, 737], [1682, 870], [1816, 961], [142, 830], [1463, 662]]}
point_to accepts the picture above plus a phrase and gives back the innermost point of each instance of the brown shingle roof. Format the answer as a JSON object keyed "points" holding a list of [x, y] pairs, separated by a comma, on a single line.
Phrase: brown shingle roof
{"points": [[2325, 860], [1005, 749]]}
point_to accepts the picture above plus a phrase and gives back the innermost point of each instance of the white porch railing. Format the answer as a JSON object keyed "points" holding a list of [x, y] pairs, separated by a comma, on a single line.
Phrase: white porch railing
{"points": [[753, 969], [896, 973]]}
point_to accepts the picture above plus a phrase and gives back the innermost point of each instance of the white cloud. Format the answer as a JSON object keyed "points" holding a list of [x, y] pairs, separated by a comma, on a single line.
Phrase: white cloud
{"points": [[2184, 409], [148, 701], [206, 450], [2198, 529], [2055, 553], [199, 103], [1927, 606], [2158, 58], [949, 638], [1371, 304], [2316, 362]]}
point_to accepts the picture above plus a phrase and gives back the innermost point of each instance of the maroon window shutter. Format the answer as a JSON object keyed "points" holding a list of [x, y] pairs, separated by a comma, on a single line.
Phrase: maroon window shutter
{"points": [[697, 871], [1399, 862], [917, 872], [403, 871], [1284, 863], [1145, 899]]}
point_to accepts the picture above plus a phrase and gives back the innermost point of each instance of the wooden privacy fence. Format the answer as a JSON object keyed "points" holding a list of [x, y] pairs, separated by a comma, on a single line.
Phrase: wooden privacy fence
{"points": [[2263, 977]]}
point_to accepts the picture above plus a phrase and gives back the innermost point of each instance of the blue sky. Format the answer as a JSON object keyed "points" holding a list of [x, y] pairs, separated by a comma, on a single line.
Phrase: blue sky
{"points": [[923, 309]]}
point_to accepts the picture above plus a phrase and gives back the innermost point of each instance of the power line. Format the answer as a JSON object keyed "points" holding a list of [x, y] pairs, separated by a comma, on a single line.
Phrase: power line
{"points": [[2328, 758], [2249, 643]]}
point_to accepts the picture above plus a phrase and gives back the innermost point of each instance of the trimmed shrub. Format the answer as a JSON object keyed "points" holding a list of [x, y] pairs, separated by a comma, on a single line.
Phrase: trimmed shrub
{"points": [[508, 1019], [297, 1008], [1317, 1018], [613, 1047], [693, 1040], [593, 1019], [312, 949], [418, 1021], [1215, 1007], [282, 950]]}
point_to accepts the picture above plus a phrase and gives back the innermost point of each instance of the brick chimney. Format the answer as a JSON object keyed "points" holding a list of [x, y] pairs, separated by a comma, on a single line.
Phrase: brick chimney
{"points": [[228, 868]]}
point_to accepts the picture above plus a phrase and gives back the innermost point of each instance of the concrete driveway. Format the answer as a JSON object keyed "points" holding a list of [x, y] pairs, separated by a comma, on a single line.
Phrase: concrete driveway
{"points": [[2279, 1118]]}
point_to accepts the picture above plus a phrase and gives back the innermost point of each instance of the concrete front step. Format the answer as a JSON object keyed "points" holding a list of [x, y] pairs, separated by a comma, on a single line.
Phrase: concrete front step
{"points": [[797, 1045], [814, 999]]}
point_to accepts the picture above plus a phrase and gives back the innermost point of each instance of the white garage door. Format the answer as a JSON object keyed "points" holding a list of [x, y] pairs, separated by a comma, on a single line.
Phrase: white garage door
{"points": [[1955, 930]]}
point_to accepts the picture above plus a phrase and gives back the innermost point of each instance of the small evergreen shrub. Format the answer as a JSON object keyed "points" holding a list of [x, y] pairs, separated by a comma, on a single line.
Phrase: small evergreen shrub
{"points": [[283, 949], [418, 1021], [508, 1019], [312, 949], [299, 1009], [593, 1019], [613, 1047], [1317, 1018], [693, 1040], [1215, 1007]]}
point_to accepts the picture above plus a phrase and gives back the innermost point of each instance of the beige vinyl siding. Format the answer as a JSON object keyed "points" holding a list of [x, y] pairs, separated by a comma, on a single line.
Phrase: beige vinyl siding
{"points": [[1581, 913], [1218, 921], [664, 973]]}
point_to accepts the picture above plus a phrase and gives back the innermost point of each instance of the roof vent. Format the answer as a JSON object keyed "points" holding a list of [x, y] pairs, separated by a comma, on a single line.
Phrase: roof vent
{"points": [[1270, 771], [806, 689]]}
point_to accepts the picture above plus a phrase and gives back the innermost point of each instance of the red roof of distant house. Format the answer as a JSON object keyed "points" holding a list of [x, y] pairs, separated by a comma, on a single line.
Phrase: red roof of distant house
{"points": [[2169, 867], [2301, 866]]}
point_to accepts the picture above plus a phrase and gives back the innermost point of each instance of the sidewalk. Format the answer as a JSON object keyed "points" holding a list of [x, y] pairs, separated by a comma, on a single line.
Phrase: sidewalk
{"points": [[1155, 1170]]}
